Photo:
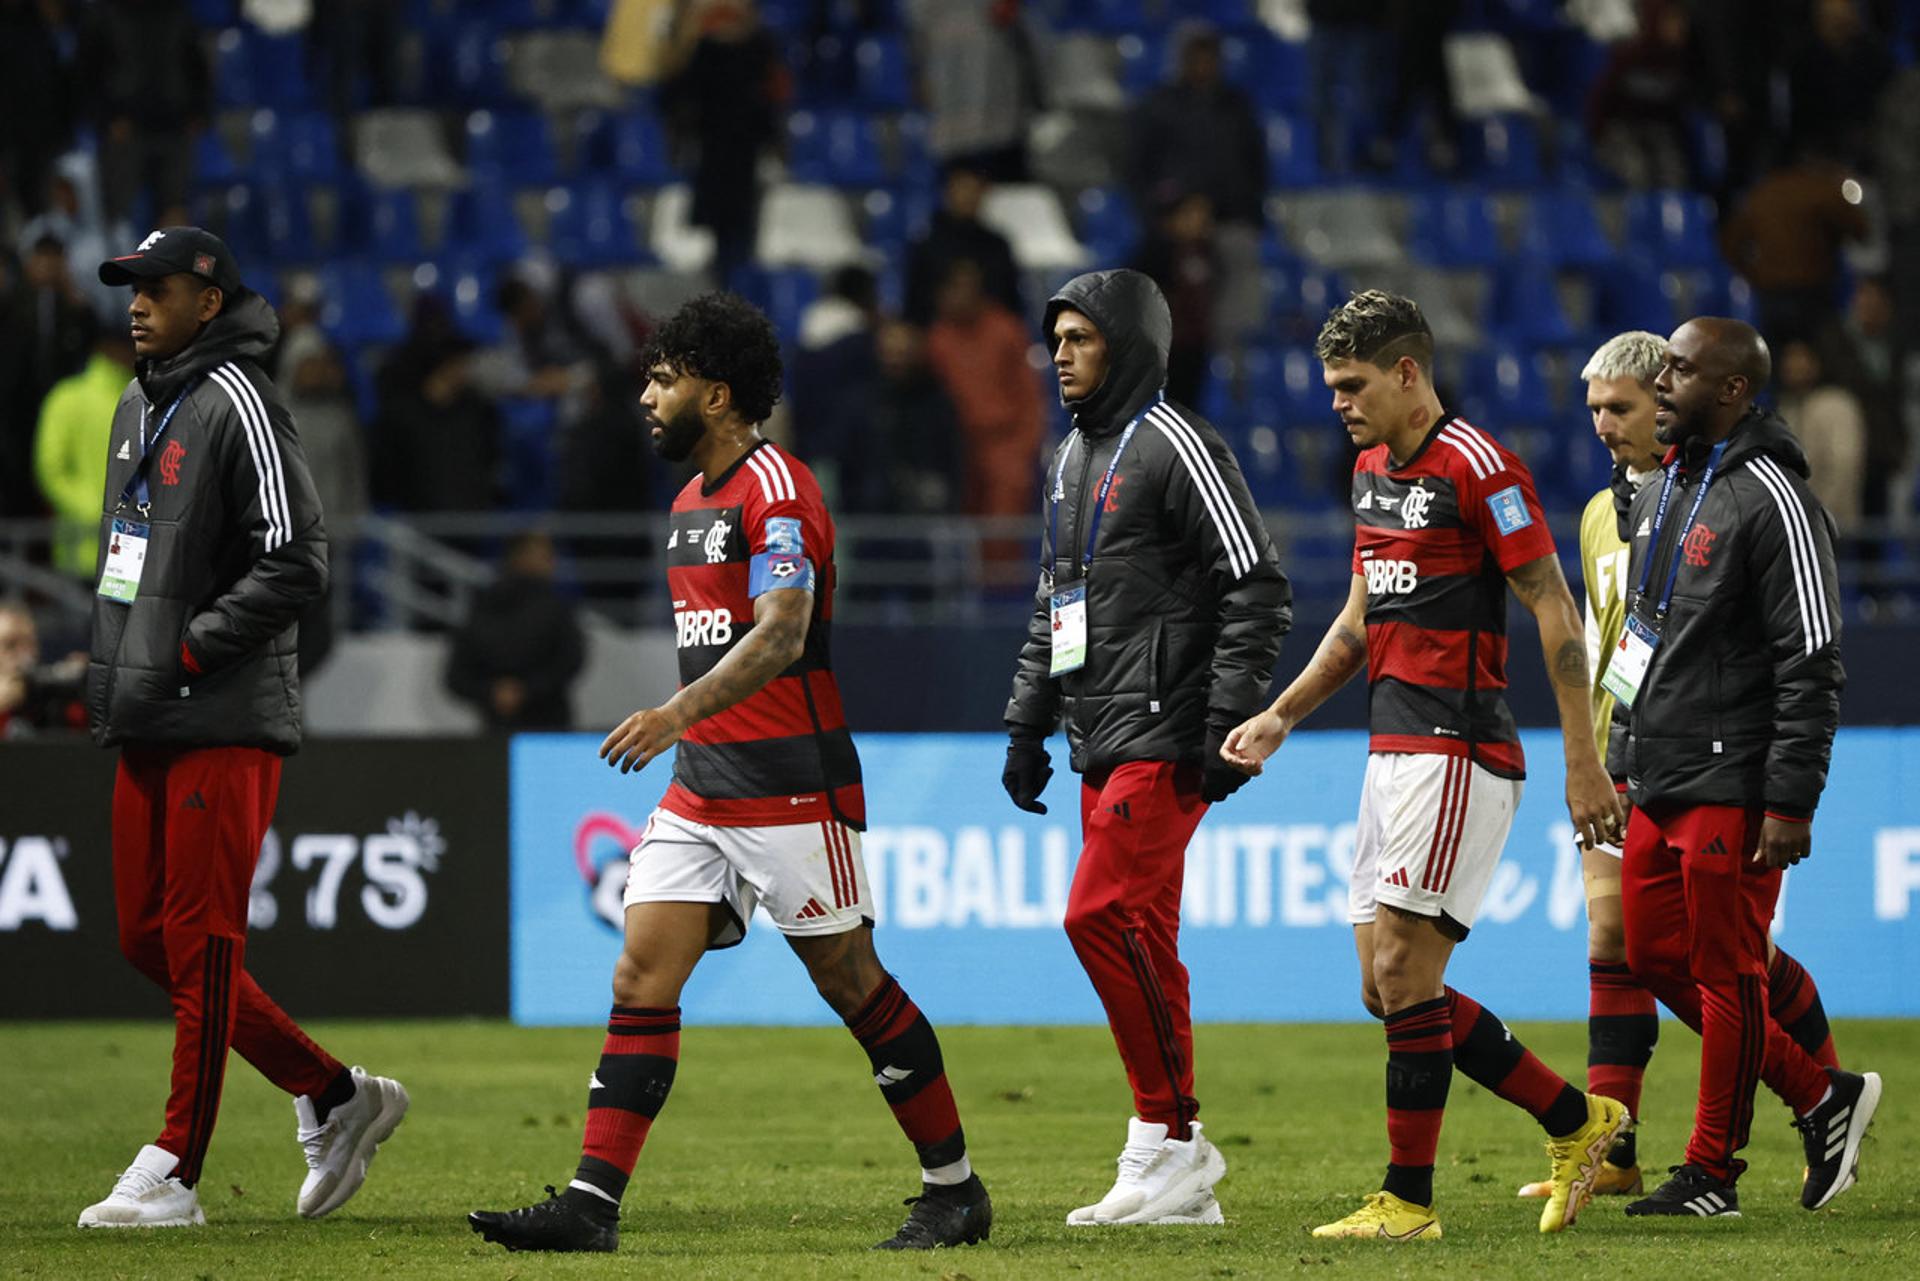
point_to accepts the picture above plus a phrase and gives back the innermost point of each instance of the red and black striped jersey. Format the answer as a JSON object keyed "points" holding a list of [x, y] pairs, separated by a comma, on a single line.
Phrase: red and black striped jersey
{"points": [[783, 754], [1435, 539]]}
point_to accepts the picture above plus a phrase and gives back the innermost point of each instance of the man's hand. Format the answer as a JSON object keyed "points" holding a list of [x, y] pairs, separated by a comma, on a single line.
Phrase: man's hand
{"points": [[1598, 811], [1783, 842], [1027, 770], [641, 737], [1249, 743]]}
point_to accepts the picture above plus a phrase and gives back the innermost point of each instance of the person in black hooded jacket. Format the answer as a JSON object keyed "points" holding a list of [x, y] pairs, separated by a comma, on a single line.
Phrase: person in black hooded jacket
{"points": [[1728, 685], [211, 546], [1156, 626]]}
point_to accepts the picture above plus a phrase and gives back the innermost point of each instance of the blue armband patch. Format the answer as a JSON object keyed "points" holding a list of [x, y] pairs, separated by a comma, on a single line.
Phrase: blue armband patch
{"points": [[785, 535], [1509, 508], [771, 571]]}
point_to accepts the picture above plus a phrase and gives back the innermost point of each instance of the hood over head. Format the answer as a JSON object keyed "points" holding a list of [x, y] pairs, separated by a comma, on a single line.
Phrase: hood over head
{"points": [[245, 329], [1131, 314]]}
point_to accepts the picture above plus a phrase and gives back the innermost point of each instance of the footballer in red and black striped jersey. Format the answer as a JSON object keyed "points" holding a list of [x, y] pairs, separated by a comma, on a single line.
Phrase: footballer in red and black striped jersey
{"points": [[1435, 538], [783, 754]]}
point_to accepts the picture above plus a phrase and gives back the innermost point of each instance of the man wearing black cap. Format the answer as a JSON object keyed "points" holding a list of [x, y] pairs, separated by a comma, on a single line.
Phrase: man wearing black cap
{"points": [[1156, 625], [211, 546]]}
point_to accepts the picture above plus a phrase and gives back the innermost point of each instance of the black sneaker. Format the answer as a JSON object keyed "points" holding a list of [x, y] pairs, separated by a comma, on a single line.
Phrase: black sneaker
{"points": [[942, 1216], [553, 1224], [1691, 1190], [1832, 1133]]}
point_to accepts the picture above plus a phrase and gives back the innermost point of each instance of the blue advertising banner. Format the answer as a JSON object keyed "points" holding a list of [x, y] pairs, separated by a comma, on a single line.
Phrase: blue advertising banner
{"points": [[970, 891]]}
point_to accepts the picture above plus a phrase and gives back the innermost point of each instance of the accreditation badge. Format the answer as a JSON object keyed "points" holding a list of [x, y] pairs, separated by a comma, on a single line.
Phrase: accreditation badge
{"points": [[126, 557], [1069, 613], [1627, 666]]}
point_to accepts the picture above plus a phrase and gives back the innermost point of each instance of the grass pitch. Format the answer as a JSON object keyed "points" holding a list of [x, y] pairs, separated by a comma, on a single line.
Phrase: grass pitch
{"points": [[775, 1157]]}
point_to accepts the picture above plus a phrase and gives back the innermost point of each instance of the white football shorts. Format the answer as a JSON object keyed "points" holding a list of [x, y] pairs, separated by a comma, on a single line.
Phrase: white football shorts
{"points": [[808, 876], [1429, 835]]}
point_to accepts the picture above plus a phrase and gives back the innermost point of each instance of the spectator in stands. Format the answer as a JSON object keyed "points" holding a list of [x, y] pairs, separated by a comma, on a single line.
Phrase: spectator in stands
{"points": [[1182, 258], [46, 334], [1859, 352], [516, 657], [724, 95], [1831, 427], [429, 329], [150, 90], [1743, 44], [71, 445], [437, 445], [355, 47], [1199, 134], [1835, 82], [36, 696], [955, 232], [832, 376], [35, 104], [315, 386], [1786, 240], [1419, 31], [538, 358], [73, 217], [979, 350], [980, 78], [605, 462], [1347, 50], [1638, 108], [912, 440]]}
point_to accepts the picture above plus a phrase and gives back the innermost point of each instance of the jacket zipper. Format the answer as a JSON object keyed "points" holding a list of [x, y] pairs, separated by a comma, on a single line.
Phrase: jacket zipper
{"points": [[1080, 515]]}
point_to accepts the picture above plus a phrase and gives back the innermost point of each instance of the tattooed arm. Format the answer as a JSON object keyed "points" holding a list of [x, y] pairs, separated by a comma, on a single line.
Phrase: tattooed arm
{"points": [[775, 641], [1342, 652], [1592, 802]]}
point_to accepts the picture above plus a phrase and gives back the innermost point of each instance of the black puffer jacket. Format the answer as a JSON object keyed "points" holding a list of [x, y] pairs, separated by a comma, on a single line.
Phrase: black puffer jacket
{"points": [[1186, 603], [204, 656], [1742, 699]]}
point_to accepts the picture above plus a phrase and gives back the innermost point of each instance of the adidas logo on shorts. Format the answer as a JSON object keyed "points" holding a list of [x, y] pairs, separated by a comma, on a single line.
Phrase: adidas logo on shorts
{"points": [[812, 911]]}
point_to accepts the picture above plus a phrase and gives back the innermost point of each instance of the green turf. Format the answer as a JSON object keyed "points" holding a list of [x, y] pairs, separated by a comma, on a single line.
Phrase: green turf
{"points": [[775, 1157]]}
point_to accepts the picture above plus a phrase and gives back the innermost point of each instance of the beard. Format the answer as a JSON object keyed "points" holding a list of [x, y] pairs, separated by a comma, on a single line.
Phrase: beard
{"points": [[678, 434]]}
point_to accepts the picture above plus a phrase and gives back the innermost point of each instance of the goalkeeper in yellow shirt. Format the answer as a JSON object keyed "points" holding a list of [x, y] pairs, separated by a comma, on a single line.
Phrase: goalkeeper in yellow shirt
{"points": [[1622, 1022]]}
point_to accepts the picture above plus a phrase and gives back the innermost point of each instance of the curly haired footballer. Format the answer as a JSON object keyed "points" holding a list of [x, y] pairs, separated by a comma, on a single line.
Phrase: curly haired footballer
{"points": [[1378, 328], [723, 338]]}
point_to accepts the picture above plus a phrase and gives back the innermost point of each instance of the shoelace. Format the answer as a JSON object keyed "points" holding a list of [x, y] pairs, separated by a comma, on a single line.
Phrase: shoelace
{"points": [[313, 1141], [1134, 1160], [134, 1182]]}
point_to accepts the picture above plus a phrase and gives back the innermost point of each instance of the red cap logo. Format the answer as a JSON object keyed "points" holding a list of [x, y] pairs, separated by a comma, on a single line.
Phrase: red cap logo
{"points": [[203, 265]]}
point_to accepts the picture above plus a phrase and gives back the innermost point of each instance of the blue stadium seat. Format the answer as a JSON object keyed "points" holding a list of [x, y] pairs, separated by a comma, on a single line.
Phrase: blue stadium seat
{"points": [[358, 310], [588, 226], [1507, 386], [287, 224], [1109, 17], [1455, 230], [1676, 227], [1108, 225], [294, 146], [212, 15], [885, 78], [379, 224], [524, 15], [212, 166], [233, 212], [470, 286], [1633, 293], [783, 293], [1524, 306], [252, 69], [893, 219], [466, 66], [481, 223], [1560, 227], [826, 74], [839, 148], [1505, 152], [629, 145], [1293, 151], [529, 429], [513, 147], [1143, 61]]}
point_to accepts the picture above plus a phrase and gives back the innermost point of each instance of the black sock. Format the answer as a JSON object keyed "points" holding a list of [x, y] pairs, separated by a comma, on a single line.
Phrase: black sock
{"points": [[1626, 1152], [338, 1091], [1410, 1183], [965, 1190]]}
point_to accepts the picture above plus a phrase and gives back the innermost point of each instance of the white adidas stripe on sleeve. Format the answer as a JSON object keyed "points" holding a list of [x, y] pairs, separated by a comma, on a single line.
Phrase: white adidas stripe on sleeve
{"points": [[1479, 439], [766, 484], [264, 449], [782, 476], [1213, 488], [1804, 554]]}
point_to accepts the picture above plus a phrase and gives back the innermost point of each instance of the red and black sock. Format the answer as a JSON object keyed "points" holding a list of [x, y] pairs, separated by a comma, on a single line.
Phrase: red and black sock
{"points": [[1493, 1057], [1794, 1002], [1623, 1024], [1419, 1070], [905, 1055], [628, 1088]]}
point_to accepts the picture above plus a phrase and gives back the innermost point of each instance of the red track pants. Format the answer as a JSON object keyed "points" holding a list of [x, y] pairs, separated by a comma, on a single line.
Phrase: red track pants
{"points": [[1123, 918], [1697, 911], [187, 827]]}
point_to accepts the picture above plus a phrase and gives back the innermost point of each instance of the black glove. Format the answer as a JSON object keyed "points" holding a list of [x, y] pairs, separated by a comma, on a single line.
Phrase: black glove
{"points": [[1218, 780], [1028, 769]]}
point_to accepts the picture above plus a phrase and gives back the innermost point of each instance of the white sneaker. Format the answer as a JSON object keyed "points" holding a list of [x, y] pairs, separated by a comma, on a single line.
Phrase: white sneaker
{"points": [[1160, 1180], [1204, 1212], [339, 1151], [145, 1197]]}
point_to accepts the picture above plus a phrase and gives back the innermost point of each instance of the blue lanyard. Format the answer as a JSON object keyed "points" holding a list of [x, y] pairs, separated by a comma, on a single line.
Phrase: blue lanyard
{"points": [[136, 486], [1100, 500], [1659, 519]]}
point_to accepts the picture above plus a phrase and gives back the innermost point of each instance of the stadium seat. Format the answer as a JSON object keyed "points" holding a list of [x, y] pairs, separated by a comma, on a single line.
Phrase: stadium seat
{"points": [[1560, 227], [358, 310], [381, 224], [212, 165], [1524, 307], [468, 68], [1030, 217], [1507, 386], [294, 147], [671, 234], [1633, 293], [1108, 224], [1293, 151], [1111, 17], [286, 223], [783, 293], [403, 148], [233, 213], [1143, 61], [1505, 152], [481, 223], [1455, 230], [514, 147], [1675, 227], [807, 226], [588, 226], [251, 69], [212, 15], [885, 78], [837, 148], [894, 219], [470, 287], [529, 432], [629, 145]]}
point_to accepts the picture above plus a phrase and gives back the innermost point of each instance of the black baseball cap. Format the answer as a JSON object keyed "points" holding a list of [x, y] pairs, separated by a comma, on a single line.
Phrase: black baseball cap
{"points": [[175, 249]]}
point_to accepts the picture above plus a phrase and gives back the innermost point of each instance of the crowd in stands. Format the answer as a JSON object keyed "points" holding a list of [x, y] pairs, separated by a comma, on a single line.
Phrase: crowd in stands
{"points": [[468, 215]]}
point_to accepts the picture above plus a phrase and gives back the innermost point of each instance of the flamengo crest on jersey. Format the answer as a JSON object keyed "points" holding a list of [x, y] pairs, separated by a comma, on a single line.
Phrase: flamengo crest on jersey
{"points": [[783, 754]]}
